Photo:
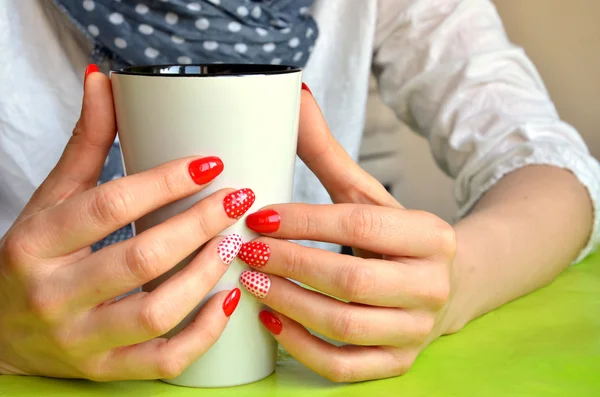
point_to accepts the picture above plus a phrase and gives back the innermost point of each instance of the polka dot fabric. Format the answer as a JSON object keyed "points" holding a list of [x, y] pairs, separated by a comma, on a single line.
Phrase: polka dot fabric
{"points": [[255, 253], [238, 203], [206, 31], [229, 247], [256, 283]]}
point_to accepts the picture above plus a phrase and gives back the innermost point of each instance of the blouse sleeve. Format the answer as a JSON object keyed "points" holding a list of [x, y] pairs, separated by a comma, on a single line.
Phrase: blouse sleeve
{"points": [[448, 70]]}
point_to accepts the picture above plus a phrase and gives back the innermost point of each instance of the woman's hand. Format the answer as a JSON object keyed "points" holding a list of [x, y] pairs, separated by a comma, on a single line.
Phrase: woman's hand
{"points": [[58, 312], [391, 297]]}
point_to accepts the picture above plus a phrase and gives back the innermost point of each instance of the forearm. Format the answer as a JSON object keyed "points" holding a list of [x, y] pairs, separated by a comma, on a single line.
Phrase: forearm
{"points": [[518, 238]]}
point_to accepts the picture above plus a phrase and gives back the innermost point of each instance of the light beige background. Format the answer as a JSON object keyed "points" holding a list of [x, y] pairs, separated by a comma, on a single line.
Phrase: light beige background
{"points": [[563, 39]]}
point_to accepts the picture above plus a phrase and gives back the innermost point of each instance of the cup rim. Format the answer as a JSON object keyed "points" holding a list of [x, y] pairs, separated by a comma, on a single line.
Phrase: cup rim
{"points": [[206, 70]]}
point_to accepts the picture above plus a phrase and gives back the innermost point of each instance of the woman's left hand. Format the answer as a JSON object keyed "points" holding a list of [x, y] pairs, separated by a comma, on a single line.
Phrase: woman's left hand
{"points": [[391, 296]]}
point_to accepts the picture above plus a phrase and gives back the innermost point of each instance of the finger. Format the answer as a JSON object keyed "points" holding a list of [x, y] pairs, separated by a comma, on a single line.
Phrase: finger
{"points": [[339, 364], [126, 265], [157, 313], [367, 281], [94, 214], [344, 322], [83, 158], [386, 231], [345, 181], [163, 358]]}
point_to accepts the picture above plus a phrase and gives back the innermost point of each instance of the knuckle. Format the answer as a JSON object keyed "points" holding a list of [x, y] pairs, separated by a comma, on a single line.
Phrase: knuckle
{"points": [[339, 371], [304, 224], [423, 327], [111, 205], [143, 260], [170, 184], [348, 326], [170, 366], [362, 224], [153, 319], [43, 305], [14, 252], [203, 224], [445, 237], [295, 262], [400, 362], [358, 281]]}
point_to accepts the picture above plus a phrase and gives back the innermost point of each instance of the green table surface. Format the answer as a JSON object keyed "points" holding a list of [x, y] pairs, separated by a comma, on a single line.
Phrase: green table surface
{"points": [[544, 344]]}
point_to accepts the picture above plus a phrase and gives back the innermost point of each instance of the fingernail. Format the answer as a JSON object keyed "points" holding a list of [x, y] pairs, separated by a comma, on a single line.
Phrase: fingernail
{"points": [[256, 283], [272, 323], [305, 87], [265, 221], [231, 301], [237, 203], [255, 253], [229, 247], [91, 68], [205, 169]]}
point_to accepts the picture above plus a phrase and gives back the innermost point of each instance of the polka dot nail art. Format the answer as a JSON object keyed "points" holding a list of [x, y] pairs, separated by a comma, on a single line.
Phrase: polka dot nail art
{"points": [[256, 283], [229, 247], [237, 203], [255, 253]]}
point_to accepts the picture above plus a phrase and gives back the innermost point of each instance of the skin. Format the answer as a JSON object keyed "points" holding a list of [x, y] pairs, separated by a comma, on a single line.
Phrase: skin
{"points": [[413, 279], [416, 277]]}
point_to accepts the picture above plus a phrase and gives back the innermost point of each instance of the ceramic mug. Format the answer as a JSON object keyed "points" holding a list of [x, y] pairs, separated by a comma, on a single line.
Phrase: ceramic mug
{"points": [[248, 116]]}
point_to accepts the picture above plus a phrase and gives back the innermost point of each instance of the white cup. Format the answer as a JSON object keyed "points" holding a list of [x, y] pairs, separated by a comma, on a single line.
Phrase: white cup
{"points": [[248, 116]]}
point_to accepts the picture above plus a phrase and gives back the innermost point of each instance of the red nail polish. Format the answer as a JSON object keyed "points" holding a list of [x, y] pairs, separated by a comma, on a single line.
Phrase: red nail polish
{"points": [[272, 323], [305, 87], [237, 203], [255, 253], [229, 247], [257, 283], [205, 169], [265, 221], [231, 301], [92, 68]]}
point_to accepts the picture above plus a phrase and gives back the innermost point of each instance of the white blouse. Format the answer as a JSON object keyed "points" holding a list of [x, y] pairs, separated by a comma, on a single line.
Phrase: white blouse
{"points": [[446, 67]]}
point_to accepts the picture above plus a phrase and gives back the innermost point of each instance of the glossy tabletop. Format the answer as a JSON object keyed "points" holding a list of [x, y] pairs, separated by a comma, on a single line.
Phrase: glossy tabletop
{"points": [[544, 344]]}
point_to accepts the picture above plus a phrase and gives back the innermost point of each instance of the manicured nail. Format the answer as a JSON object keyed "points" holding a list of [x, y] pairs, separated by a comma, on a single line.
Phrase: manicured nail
{"points": [[92, 68], [231, 301], [265, 221], [229, 247], [237, 203], [256, 283], [305, 87], [255, 253], [272, 323], [205, 169]]}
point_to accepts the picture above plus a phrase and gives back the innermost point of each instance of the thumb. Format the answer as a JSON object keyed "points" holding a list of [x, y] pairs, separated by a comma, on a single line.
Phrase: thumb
{"points": [[345, 181], [83, 158]]}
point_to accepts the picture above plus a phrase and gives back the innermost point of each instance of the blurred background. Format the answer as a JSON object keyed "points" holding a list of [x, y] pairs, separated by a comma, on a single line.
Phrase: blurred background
{"points": [[560, 36]]}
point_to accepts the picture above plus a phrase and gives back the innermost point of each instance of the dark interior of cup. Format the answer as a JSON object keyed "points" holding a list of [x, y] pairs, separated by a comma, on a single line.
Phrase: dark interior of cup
{"points": [[218, 69]]}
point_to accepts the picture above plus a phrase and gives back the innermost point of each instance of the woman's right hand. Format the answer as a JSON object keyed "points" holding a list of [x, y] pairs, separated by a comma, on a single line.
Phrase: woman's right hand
{"points": [[59, 316]]}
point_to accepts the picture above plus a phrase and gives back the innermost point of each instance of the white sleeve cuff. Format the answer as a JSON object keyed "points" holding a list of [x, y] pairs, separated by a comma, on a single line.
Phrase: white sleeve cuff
{"points": [[470, 187]]}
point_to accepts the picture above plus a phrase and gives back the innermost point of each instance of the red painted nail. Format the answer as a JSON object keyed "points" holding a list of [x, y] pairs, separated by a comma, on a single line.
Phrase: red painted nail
{"points": [[231, 301], [255, 253], [272, 323], [229, 247], [237, 203], [205, 169], [265, 221], [305, 87], [258, 284], [92, 68]]}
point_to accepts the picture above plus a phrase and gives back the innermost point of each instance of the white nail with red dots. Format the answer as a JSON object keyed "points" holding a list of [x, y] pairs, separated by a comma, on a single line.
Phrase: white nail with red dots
{"points": [[229, 247], [256, 283]]}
